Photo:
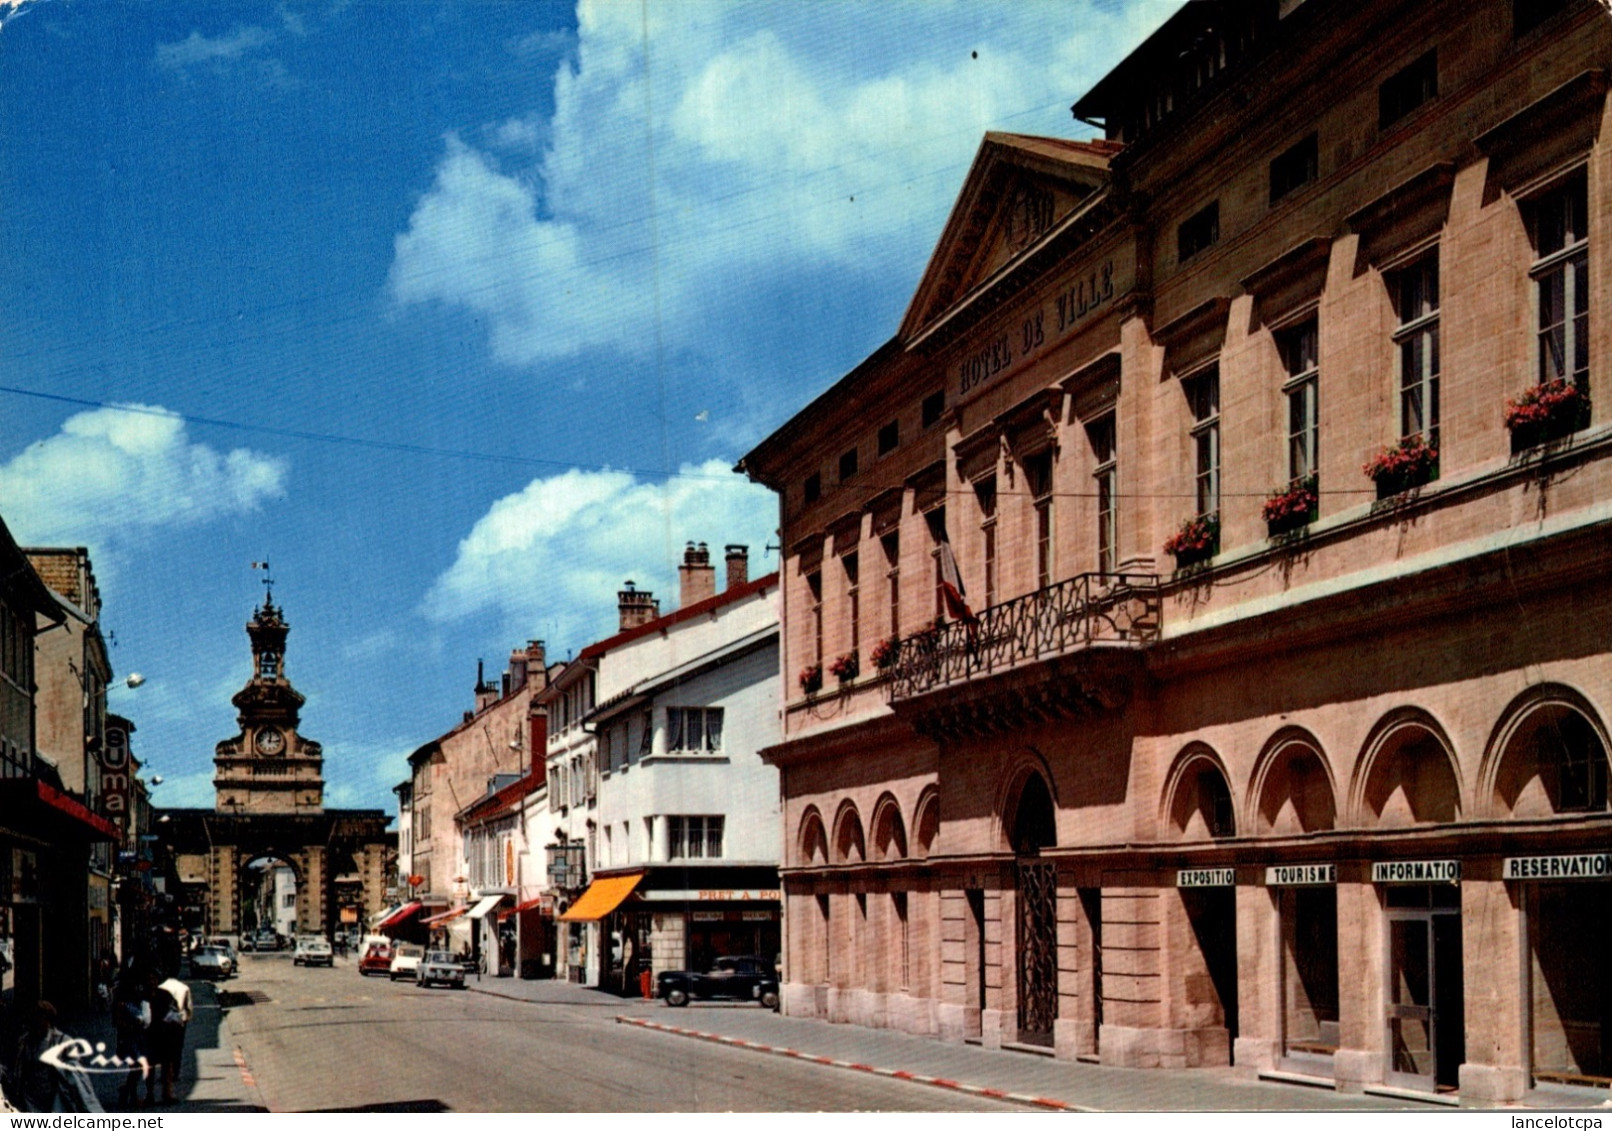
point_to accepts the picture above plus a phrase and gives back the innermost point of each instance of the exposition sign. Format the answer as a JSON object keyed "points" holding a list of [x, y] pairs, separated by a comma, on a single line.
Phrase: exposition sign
{"points": [[1206, 878]]}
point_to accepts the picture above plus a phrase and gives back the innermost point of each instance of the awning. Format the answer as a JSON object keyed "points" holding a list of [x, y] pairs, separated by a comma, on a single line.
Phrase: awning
{"points": [[398, 918], [603, 896], [535, 904], [445, 917], [488, 902]]}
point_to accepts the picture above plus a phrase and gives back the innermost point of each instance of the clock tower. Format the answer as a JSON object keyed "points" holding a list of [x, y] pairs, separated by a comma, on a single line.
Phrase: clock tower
{"points": [[268, 767]]}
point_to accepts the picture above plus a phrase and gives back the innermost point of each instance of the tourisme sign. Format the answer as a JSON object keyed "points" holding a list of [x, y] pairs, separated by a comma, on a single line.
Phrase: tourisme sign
{"points": [[1291, 875]]}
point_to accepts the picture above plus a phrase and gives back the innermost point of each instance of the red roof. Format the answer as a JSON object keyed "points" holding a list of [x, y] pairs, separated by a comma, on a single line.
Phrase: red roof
{"points": [[698, 608], [504, 799]]}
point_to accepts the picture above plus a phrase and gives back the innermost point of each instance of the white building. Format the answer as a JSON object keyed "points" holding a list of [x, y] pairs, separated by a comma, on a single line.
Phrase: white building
{"points": [[682, 825]]}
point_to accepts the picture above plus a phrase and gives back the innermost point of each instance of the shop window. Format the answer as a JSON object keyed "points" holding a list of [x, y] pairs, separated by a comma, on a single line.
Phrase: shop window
{"points": [[1309, 923], [1570, 999], [1409, 87], [1294, 169], [1199, 231], [1560, 274]]}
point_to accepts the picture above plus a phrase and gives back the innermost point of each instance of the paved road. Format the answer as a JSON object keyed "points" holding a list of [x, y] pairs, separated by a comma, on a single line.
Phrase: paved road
{"points": [[323, 1040]]}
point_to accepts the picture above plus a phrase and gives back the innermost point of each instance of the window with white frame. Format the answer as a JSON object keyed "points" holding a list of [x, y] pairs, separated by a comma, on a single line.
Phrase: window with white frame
{"points": [[694, 730], [1415, 291], [646, 734], [1202, 390], [1100, 433], [695, 838], [1561, 275], [1299, 347]]}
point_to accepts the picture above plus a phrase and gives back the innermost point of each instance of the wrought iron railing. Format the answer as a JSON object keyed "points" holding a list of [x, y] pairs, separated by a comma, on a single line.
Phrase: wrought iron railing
{"points": [[1090, 608]]}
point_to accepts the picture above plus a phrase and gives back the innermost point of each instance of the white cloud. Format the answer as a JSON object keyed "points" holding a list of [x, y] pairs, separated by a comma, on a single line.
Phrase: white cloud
{"points": [[113, 470], [772, 139], [548, 560], [197, 48]]}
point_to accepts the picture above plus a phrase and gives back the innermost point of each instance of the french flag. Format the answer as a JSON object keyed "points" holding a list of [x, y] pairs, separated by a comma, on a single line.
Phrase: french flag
{"points": [[951, 587]]}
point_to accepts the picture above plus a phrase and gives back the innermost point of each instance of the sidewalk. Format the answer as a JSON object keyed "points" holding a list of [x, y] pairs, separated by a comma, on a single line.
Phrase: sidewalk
{"points": [[1015, 1077], [209, 1079]]}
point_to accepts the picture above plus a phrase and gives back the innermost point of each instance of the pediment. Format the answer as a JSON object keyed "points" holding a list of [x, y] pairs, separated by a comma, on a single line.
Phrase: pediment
{"points": [[1019, 191]]}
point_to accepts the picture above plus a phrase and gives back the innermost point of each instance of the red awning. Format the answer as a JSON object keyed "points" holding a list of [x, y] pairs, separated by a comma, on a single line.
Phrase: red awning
{"points": [[445, 917], [529, 905], [49, 803], [399, 917]]}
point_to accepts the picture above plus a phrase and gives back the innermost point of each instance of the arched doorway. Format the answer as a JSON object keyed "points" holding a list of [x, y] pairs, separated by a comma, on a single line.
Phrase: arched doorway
{"points": [[268, 895], [1035, 828]]}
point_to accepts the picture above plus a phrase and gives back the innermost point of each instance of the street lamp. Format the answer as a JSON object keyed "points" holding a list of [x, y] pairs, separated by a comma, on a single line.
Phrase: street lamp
{"points": [[134, 680]]}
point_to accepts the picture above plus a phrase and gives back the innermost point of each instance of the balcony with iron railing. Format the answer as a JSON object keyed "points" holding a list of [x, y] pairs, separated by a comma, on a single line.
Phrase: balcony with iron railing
{"points": [[1087, 611]]}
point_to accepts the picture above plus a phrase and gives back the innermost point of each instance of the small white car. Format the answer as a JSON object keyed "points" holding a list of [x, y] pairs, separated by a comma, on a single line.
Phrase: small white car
{"points": [[212, 962], [313, 951], [440, 968], [405, 962]]}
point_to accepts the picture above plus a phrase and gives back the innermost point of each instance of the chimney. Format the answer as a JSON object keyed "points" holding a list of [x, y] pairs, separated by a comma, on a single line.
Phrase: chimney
{"points": [[486, 693], [636, 607], [738, 559], [536, 664], [697, 574]]}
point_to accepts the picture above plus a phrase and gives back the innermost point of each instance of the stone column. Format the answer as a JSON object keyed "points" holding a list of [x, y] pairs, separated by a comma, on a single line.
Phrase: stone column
{"points": [[1359, 1060], [1494, 955], [1259, 970]]}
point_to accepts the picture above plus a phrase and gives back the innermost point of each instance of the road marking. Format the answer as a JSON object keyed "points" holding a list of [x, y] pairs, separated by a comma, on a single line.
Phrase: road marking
{"points": [[894, 1074]]}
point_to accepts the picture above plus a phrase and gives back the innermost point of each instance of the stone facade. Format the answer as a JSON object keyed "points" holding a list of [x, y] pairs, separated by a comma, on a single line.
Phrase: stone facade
{"points": [[1250, 461]]}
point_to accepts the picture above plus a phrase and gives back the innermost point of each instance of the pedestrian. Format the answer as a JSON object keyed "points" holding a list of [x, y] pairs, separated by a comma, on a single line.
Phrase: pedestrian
{"points": [[131, 1019], [167, 1027], [170, 1033]]}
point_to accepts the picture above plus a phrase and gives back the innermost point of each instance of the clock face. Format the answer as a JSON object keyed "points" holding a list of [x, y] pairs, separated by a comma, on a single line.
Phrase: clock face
{"points": [[270, 741]]}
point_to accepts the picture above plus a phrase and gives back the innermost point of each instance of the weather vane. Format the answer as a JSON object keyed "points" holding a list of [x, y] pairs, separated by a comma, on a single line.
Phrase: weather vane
{"points": [[268, 582]]}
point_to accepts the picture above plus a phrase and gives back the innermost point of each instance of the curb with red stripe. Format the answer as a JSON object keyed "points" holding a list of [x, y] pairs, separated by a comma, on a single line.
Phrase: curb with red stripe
{"points": [[891, 1073]]}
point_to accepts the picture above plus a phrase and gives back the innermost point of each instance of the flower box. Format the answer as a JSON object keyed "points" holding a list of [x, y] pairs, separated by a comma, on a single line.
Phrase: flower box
{"points": [[1292, 508], [886, 653], [1198, 540], [1546, 412], [1403, 466], [846, 667], [811, 679]]}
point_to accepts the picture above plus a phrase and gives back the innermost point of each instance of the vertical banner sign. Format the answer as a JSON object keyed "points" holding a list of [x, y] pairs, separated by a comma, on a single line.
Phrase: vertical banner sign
{"points": [[114, 758]]}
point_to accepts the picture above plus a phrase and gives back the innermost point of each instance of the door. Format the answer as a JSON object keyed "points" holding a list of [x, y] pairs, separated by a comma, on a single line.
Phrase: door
{"points": [[1425, 1011], [1038, 951]]}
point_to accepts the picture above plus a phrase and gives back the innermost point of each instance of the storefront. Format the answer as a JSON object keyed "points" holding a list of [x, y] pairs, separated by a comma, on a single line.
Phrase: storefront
{"points": [[1306, 899], [1567, 907], [1424, 1000], [1209, 901]]}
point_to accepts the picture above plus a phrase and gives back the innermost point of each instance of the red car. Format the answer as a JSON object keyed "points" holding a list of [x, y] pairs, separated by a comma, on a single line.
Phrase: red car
{"points": [[377, 959]]}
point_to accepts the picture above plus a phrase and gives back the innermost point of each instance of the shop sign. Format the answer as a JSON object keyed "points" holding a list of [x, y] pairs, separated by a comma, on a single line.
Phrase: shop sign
{"points": [[1206, 878], [717, 895], [758, 916], [1286, 875], [706, 916], [1589, 866], [1416, 872]]}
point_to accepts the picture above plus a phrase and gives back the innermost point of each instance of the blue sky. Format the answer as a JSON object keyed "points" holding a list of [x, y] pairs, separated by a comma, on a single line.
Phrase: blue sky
{"points": [[457, 313]]}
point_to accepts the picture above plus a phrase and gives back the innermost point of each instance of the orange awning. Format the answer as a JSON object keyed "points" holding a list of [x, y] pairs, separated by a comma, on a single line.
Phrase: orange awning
{"points": [[445, 917], [603, 896]]}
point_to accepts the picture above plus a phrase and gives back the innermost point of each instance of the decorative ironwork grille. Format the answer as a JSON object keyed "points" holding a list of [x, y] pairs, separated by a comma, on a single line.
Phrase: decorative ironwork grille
{"points": [[1087, 609], [1038, 949]]}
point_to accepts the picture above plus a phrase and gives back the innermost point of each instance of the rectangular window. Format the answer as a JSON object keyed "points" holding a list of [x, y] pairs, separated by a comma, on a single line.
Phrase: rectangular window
{"points": [[985, 492], [1198, 231], [646, 737], [934, 407], [853, 597], [1562, 285], [695, 838], [1415, 290], [1101, 435], [1301, 359], [1409, 87], [814, 598], [1203, 398], [889, 437], [1294, 169], [1526, 15], [847, 465], [891, 543], [812, 489], [936, 520], [694, 730], [1038, 480]]}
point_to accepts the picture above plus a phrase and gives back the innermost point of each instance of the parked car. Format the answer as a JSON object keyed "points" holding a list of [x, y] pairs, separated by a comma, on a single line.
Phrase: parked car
{"points": [[228, 947], [313, 951], [377, 959], [265, 938], [405, 961], [440, 967], [738, 978], [212, 962]]}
